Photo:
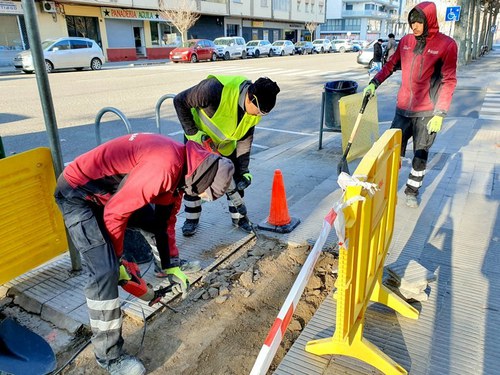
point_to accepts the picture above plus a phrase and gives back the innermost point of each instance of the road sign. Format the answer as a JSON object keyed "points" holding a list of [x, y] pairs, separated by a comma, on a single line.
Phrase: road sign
{"points": [[453, 13]]}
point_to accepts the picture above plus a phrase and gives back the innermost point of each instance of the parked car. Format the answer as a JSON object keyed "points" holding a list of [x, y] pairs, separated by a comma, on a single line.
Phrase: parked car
{"points": [[304, 48], [358, 45], [365, 55], [256, 48], [341, 45], [230, 47], [283, 47], [194, 50], [322, 45], [64, 53]]}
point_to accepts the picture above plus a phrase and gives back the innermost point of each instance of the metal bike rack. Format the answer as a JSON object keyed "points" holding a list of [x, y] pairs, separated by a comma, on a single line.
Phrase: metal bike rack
{"points": [[98, 121], [157, 109]]}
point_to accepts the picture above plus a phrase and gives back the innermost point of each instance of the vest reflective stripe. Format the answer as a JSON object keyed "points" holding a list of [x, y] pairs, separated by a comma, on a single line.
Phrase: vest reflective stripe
{"points": [[106, 326], [223, 128], [213, 129], [103, 305]]}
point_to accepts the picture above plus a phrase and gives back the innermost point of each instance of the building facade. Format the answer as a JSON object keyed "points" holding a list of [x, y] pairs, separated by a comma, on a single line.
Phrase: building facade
{"points": [[136, 29], [360, 19]]}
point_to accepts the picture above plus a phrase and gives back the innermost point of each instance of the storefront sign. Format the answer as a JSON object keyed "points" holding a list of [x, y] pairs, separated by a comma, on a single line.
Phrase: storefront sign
{"points": [[131, 14], [258, 23], [10, 7]]}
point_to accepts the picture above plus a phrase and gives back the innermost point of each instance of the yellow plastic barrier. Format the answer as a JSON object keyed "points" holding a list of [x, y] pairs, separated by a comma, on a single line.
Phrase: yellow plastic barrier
{"points": [[31, 225], [369, 229], [368, 131]]}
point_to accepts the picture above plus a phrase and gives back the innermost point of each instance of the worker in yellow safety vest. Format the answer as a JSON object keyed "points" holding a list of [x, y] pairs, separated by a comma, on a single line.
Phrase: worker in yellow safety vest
{"points": [[221, 113]]}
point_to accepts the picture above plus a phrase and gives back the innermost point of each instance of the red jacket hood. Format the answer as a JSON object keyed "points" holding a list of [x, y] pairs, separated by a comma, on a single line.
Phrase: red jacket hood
{"points": [[429, 11]]}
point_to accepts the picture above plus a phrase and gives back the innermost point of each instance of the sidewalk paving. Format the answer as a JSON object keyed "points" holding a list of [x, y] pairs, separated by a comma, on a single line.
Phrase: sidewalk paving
{"points": [[455, 232]]}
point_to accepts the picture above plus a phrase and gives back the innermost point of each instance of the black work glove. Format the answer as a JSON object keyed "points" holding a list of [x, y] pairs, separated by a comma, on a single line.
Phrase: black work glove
{"points": [[245, 181]]}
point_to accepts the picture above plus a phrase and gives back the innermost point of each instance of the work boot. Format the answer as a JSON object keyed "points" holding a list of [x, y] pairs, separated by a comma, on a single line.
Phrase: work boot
{"points": [[123, 365], [244, 224], [189, 227], [411, 201]]}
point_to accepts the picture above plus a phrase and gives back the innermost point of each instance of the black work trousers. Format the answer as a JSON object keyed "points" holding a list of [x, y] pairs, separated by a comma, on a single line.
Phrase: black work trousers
{"points": [[416, 128]]}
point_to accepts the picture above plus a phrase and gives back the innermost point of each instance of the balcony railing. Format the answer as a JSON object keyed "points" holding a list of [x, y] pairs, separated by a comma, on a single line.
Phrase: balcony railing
{"points": [[365, 13]]}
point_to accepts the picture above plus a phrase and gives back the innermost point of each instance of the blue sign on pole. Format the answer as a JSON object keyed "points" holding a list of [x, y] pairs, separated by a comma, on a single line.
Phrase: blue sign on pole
{"points": [[453, 13]]}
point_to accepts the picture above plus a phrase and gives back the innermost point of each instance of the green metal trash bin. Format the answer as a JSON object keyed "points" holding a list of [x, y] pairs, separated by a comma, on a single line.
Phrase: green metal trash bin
{"points": [[333, 92]]}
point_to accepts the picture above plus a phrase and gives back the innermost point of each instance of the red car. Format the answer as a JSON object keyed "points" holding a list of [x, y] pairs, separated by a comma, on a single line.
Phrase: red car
{"points": [[194, 50]]}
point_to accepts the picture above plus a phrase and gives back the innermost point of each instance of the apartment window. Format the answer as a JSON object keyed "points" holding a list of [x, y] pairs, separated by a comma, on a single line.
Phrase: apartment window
{"points": [[164, 34], [370, 7], [353, 24], [282, 5], [348, 7], [87, 27]]}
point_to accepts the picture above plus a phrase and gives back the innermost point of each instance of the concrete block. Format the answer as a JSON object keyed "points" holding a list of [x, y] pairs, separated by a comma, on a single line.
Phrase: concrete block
{"points": [[60, 319]]}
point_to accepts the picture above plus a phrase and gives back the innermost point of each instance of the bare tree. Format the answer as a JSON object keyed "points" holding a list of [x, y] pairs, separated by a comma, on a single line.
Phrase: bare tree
{"points": [[312, 26], [180, 13]]}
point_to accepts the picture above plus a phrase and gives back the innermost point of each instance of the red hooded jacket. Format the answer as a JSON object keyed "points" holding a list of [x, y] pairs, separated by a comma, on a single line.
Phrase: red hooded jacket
{"points": [[428, 64], [132, 171]]}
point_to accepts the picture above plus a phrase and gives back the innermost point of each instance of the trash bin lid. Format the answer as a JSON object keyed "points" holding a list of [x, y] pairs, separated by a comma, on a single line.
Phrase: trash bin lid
{"points": [[345, 87]]}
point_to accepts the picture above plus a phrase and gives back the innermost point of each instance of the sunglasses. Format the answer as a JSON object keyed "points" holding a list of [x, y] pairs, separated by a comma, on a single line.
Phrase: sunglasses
{"points": [[256, 102]]}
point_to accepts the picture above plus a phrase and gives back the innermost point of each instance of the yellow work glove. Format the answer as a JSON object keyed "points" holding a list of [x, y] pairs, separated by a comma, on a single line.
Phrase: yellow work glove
{"points": [[369, 90], [178, 280], [198, 137], [434, 124]]}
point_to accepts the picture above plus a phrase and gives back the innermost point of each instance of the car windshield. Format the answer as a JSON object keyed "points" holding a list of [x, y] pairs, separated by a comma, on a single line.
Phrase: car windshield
{"points": [[222, 42], [278, 43], [47, 43], [318, 42], [252, 43], [189, 44]]}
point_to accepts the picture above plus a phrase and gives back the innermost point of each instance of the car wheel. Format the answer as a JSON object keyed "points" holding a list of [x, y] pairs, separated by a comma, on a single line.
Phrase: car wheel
{"points": [[271, 53], [95, 64], [227, 56], [244, 55], [28, 71], [342, 50], [282, 53], [214, 56], [194, 58], [322, 50], [256, 53], [293, 53], [48, 66]]}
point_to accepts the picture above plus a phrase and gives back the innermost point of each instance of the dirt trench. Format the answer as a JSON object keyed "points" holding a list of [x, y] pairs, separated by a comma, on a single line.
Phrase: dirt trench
{"points": [[221, 326]]}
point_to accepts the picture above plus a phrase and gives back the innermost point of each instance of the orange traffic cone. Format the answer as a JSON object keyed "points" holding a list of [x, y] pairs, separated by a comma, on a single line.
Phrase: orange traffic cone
{"points": [[279, 220]]}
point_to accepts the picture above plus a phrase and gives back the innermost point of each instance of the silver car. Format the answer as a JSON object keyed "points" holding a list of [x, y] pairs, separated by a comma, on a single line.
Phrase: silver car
{"points": [[64, 53]]}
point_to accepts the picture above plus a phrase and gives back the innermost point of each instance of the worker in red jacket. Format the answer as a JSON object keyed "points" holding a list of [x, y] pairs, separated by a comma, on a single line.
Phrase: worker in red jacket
{"points": [[136, 180], [428, 61]]}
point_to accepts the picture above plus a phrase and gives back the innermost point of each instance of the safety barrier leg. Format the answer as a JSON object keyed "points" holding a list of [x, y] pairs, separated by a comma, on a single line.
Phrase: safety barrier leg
{"points": [[383, 295], [359, 348]]}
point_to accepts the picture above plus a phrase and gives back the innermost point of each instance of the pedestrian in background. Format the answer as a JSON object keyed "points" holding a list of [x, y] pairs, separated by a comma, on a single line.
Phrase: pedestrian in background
{"points": [[136, 181], [377, 57], [428, 60], [390, 48], [221, 112]]}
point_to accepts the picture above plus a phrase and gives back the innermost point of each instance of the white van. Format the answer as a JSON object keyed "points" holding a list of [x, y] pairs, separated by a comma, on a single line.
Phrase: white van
{"points": [[230, 47]]}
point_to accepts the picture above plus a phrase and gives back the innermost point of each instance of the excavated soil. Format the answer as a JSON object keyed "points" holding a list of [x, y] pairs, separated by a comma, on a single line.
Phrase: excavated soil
{"points": [[221, 326]]}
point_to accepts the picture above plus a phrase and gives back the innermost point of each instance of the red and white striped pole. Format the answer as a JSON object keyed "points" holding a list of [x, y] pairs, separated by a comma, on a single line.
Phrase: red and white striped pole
{"points": [[279, 326]]}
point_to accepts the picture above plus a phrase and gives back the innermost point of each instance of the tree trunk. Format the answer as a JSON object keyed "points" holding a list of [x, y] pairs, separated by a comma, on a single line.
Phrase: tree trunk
{"points": [[477, 19], [460, 32]]}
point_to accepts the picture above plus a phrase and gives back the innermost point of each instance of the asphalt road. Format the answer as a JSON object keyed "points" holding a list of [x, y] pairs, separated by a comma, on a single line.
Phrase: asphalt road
{"points": [[79, 96]]}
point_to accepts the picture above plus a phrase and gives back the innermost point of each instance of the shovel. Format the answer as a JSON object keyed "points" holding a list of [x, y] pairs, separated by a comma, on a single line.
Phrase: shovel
{"points": [[23, 351], [342, 165]]}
